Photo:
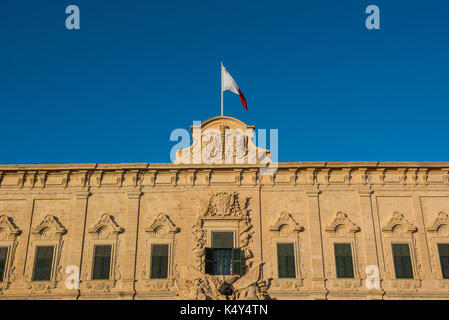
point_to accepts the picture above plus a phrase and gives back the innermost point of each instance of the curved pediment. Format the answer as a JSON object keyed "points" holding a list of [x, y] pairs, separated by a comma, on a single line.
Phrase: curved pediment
{"points": [[222, 140], [216, 122], [399, 225]]}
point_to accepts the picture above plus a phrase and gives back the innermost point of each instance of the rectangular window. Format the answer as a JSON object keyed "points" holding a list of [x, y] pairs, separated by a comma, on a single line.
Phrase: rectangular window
{"points": [[102, 262], [223, 258], [3, 258], [43, 263], [402, 261], [443, 250], [286, 260], [343, 260], [223, 240], [159, 261]]}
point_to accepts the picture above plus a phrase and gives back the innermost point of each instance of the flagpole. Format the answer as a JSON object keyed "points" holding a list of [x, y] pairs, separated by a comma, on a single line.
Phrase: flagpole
{"points": [[221, 75]]}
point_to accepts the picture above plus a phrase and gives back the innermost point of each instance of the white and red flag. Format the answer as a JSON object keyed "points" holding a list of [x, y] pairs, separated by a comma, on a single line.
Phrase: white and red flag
{"points": [[228, 83]]}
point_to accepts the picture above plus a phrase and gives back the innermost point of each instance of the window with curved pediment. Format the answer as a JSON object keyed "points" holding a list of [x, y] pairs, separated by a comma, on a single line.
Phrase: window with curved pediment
{"points": [[439, 246], [342, 247], [8, 244], [43, 269], [401, 254], [287, 267], [160, 248], [102, 270]]}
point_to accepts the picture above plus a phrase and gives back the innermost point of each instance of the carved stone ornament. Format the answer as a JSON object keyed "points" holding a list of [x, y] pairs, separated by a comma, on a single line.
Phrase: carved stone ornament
{"points": [[49, 228], [342, 226], [222, 205], [285, 225], [106, 228], [222, 140], [194, 284], [341, 285], [105, 232], [399, 225], [440, 225], [162, 227], [48, 232], [8, 238], [406, 285]]}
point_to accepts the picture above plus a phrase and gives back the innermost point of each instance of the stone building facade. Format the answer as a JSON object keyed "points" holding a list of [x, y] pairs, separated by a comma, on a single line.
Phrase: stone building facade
{"points": [[287, 227]]}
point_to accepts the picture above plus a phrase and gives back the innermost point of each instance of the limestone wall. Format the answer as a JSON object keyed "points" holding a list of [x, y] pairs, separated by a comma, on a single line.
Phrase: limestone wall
{"points": [[131, 206]]}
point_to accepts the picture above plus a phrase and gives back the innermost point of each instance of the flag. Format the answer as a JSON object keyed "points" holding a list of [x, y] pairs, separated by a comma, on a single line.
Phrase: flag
{"points": [[228, 83]]}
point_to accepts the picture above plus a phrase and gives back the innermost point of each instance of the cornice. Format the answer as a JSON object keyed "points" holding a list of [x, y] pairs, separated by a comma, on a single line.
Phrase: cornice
{"points": [[171, 166]]}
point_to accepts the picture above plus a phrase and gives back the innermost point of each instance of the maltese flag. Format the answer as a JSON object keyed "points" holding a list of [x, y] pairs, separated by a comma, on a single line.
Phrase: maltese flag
{"points": [[228, 83]]}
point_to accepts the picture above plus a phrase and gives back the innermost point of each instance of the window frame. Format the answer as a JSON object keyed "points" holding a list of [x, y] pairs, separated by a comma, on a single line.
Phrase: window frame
{"points": [[351, 246], [439, 258], [49, 232], [94, 260], [161, 230], [232, 251], [398, 230], [295, 268], [9, 232], [410, 256], [6, 262], [154, 243], [41, 245], [391, 266]]}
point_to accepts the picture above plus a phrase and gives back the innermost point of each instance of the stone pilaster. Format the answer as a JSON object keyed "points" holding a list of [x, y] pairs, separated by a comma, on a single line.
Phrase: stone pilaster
{"points": [[422, 250], [129, 249], [369, 239], [78, 216], [316, 246]]}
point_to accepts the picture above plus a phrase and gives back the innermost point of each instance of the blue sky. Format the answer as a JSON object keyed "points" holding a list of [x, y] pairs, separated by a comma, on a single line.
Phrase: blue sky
{"points": [[115, 89]]}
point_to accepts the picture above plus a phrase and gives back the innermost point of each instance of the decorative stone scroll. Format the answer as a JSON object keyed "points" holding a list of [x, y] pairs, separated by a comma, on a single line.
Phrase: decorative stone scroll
{"points": [[162, 227], [440, 225], [8, 238], [399, 225], [48, 232], [285, 225], [342, 226]]}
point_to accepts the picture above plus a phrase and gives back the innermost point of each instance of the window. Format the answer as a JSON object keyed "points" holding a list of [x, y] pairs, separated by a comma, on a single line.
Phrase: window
{"points": [[223, 258], [43, 263], [343, 260], [159, 261], [102, 262], [443, 250], [402, 261], [286, 260], [3, 258]]}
